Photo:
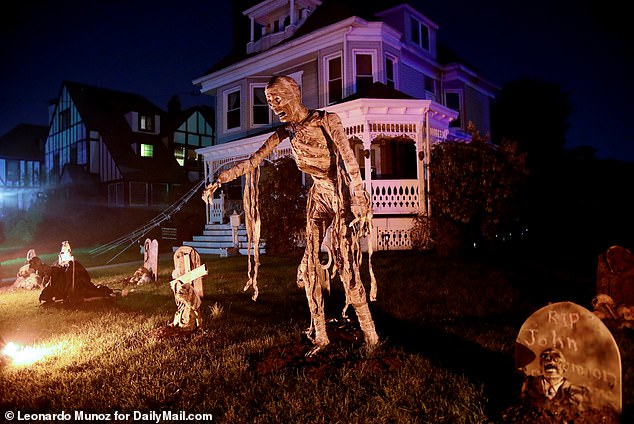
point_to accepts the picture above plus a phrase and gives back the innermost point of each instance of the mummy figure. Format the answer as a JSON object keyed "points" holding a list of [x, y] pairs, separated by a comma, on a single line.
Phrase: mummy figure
{"points": [[337, 201]]}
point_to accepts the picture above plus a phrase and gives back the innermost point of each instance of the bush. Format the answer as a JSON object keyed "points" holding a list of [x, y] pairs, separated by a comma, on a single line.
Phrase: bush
{"points": [[282, 206]]}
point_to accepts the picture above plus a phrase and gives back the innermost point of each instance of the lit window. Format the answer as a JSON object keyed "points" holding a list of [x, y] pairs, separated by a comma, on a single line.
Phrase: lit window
{"points": [[179, 154], [363, 69], [146, 123], [260, 107], [147, 150], [335, 82], [453, 101], [233, 109], [420, 34]]}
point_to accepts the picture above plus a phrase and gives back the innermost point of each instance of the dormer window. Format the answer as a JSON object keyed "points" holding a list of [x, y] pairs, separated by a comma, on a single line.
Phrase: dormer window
{"points": [[146, 123], [420, 34]]}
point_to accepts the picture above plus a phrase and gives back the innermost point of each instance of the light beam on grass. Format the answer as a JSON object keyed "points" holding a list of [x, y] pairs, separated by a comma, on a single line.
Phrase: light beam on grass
{"points": [[27, 355]]}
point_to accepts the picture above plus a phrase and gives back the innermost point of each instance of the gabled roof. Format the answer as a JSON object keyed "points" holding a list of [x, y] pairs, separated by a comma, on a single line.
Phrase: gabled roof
{"points": [[24, 142], [175, 119], [104, 110]]}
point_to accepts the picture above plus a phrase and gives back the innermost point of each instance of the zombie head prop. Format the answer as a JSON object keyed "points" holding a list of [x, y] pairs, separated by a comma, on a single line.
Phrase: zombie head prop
{"points": [[285, 100], [553, 364]]}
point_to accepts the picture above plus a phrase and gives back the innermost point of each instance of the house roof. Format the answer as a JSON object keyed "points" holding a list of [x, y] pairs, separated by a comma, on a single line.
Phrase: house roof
{"points": [[328, 13], [24, 142], [377, 90], [104, 110], [176, 118]]}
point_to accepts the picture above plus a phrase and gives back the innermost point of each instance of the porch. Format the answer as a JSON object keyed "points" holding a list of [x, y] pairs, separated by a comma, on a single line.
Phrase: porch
{"points": [[392, 141]]}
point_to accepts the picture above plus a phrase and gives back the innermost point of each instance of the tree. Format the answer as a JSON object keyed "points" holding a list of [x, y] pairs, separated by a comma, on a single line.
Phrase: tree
{"points": [[476, 192], [282, 205], [534, 114]]}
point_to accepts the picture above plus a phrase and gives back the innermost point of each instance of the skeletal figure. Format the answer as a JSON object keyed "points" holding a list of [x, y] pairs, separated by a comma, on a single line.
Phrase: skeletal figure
{"points": [[187, 317], [337, 201]]}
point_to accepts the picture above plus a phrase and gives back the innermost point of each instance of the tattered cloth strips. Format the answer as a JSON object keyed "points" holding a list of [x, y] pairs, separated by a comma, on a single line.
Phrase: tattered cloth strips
{"points": [[253, 224]]}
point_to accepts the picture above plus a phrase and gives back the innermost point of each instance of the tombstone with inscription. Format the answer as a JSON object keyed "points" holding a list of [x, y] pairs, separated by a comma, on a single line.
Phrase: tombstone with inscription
{"points": [[571, 367], [150, 257], [188, 268]]}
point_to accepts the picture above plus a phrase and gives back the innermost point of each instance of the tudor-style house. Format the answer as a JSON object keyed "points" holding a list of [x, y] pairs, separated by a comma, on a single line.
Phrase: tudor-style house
{"points": [[123, 146], [379, 66], [21, 164]]}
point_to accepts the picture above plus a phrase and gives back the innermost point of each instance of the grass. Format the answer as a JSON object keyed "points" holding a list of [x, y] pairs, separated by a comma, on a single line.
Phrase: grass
{"points": [[448, 328]]}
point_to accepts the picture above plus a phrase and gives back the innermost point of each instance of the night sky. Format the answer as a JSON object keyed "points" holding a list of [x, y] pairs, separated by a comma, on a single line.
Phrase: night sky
{"points": [[156, 48]]}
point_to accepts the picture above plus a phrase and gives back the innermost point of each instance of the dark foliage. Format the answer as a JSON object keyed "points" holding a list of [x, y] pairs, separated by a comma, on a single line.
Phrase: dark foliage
{"points": [[476, 193], [282, 206]]}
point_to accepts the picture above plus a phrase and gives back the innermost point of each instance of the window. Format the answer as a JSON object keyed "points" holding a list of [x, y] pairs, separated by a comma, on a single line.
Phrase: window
{"points": [[233, 109], [13, 171], [430, 85], [453, 101], [389, 72], [146, 123], [147, 150], [420, 34], [363, 72], [64, 120], [260, 107], [179, 154], [335, 81]]}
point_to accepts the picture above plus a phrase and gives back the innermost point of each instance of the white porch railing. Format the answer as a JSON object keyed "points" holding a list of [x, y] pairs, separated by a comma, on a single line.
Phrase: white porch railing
{"points": [[395, 197], [221, 207], [389, 197]]}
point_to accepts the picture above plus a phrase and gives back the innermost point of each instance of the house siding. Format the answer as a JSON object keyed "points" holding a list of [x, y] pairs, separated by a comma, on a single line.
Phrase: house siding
{"points": [[411, 81]]}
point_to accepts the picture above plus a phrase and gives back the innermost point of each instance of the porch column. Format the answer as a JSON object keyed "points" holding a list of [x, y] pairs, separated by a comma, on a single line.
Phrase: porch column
{"points": [[207, 205], [426, 162], [367, 157]]}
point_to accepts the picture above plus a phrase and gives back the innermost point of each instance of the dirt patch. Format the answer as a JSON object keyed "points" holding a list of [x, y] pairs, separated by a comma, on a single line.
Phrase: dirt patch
{"points": [[343, 351]]}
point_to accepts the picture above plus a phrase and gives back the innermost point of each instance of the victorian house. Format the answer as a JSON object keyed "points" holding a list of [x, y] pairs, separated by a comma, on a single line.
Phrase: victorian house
{"points": [[379, 66], [121, 148]]}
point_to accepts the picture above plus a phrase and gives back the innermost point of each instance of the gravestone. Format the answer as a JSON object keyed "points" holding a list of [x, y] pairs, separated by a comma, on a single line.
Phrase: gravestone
{"points": [[592, 362], [187, 267], [150, 257]]}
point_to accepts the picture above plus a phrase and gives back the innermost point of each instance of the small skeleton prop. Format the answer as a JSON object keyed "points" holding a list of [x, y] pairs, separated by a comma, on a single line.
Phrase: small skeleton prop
{"points": [[337, 200], [65, 254], [27, 276], [184, 285], [142, 276], [187, 317]]}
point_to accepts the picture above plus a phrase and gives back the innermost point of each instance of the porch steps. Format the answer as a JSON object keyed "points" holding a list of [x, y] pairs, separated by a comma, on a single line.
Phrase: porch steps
{"points": [[217, 239]]}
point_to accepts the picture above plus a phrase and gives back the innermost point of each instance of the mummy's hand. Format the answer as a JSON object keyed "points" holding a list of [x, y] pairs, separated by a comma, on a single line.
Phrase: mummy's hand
{"points": [[208, 193]]}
